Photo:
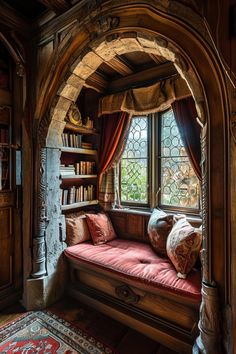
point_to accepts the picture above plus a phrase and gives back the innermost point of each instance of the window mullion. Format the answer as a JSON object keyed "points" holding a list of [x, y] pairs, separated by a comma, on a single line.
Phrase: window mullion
{"points": [[153, 161]]}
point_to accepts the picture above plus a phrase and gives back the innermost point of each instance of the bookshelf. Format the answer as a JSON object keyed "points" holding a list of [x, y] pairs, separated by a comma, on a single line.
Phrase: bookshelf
{"points": [[79, 205], [78, 168]]}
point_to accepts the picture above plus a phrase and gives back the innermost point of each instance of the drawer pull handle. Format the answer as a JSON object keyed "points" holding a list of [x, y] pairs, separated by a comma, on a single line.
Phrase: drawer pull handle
{"points": [[126, 294]]}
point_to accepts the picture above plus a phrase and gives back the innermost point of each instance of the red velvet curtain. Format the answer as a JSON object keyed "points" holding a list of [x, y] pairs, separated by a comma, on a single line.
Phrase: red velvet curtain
{"points": [[114, 130], [185, 115]]}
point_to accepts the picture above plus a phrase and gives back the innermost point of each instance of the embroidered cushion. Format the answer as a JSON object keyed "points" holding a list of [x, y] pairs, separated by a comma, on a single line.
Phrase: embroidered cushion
{"points": [[159, 227], [101, 228], [137, 264], [183, 246], [77, 229]]}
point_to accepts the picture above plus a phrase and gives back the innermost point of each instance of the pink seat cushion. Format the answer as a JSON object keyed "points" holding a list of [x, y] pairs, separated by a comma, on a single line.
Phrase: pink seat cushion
{"points": [[138, 262]]}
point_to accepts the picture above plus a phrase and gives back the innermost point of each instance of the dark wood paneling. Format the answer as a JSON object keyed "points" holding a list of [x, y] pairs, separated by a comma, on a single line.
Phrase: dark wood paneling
{"points": [[6, 247], [130, 226]]}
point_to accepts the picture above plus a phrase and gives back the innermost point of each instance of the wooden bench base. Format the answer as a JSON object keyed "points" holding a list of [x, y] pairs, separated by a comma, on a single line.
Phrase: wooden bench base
{"points": [[167, 321]]}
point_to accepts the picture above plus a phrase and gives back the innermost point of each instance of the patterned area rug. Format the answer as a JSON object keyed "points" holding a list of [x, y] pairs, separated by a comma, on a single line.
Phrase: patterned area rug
{"points": [[43, 332]]}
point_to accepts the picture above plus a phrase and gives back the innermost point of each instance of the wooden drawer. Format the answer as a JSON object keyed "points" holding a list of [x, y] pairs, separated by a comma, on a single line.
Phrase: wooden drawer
{"points": [[169, 310]]}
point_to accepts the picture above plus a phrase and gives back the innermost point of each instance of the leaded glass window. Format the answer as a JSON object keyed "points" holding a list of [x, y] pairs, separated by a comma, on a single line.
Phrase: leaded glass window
{"points": [[155, 163], [134, 163], [179, 185]]}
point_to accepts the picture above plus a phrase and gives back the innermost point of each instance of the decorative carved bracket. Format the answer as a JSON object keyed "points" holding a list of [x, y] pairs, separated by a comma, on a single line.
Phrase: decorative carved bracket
{"points": [[16, 50], [104, 24], [126, 294]]}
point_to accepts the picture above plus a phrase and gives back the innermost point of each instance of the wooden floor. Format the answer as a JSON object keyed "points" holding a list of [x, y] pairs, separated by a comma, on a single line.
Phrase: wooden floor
{"points": [[112, 333]]}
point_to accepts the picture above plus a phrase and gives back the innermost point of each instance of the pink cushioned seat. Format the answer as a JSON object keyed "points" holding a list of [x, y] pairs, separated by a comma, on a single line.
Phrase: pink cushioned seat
{"points": [[138, 263]]}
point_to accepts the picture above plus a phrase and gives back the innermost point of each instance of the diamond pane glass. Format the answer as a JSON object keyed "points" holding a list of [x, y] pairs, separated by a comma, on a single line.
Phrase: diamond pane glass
{"points": [[179, 184], [134, 163]]}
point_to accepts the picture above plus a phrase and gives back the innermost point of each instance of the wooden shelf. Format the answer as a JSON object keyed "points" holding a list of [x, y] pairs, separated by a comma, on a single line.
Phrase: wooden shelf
{"points": [[81, 129], [78, 205], [78, 150], [5, 97], [78, 176]]}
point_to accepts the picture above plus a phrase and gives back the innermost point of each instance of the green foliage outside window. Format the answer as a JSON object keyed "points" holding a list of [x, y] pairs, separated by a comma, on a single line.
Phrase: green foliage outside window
{"points": [[178, 185]]}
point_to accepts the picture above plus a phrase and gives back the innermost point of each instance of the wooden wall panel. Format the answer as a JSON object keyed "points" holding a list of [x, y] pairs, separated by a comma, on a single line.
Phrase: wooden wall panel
{"points": [[118, 222], [44, 53], [130, 226], [221, 17], [6, 247], [135, 226]]}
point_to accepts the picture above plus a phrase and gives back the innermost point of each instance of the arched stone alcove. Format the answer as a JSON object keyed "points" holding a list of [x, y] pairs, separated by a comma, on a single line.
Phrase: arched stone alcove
{"points": [[179, 43]]}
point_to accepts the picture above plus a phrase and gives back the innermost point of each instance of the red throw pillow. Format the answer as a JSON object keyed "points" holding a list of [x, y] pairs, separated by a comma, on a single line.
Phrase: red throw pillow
{"points": [[159, 227], [101, 228], [183, 246]]}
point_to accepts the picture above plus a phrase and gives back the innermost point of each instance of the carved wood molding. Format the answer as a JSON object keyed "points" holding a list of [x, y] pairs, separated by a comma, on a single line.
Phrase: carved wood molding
{"points": [[209, 339], [11, 19], [15, 52], [204, 188], [233, 126], [58, 6], [104, 24]]}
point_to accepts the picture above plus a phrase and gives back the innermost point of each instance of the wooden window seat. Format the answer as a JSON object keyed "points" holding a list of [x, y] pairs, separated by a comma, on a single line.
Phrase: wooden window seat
{"points": [[127, 280]]}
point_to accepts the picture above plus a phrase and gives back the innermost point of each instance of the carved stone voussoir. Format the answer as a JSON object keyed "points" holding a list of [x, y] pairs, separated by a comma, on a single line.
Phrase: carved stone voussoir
{"points": [[161, 42], [181, 62]]}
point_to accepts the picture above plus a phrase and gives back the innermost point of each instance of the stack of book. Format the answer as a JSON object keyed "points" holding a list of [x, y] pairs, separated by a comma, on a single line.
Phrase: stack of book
{"points": [[86, 145], [67, 170]]}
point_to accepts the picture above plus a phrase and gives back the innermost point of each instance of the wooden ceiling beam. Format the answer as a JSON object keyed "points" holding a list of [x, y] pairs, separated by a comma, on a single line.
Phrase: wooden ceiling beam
{"points": [[120, 66], [57, 6], [154, 58], [146, 76], [97, 81], [101, 84]]}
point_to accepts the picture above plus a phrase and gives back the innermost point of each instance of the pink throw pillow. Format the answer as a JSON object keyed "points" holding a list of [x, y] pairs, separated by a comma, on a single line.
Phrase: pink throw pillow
{"points": [[183, 246], [76, 230], [101, 228]]}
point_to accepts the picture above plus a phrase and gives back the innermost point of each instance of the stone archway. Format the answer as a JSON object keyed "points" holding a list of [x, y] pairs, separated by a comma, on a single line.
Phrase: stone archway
{"points": [[49, 229], [105, 50]]}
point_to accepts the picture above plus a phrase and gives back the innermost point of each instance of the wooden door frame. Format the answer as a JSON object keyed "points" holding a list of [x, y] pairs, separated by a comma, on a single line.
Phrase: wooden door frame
{"points": [[18, 73]]}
